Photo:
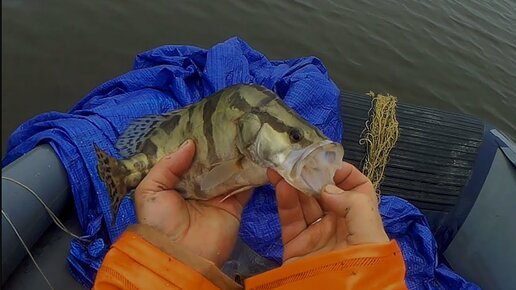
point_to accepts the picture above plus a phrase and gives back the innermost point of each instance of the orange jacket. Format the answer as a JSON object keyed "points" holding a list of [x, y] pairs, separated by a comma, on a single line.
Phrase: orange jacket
{"points": [[143, 258]]}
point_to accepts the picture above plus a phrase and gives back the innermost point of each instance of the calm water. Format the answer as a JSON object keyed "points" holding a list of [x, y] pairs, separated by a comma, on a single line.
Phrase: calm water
{"points": [[453, 55]]}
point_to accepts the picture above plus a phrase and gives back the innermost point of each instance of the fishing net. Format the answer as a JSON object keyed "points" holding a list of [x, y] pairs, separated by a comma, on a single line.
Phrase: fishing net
{"points": [[379, 136]]}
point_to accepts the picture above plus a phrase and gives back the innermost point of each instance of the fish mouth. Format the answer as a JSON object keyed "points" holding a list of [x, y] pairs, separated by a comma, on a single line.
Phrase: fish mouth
{"points": [[312, 168]]}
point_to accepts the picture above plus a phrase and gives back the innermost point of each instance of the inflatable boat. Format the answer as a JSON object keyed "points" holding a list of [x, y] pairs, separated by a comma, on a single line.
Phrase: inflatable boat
{"points": [[457, 169]]}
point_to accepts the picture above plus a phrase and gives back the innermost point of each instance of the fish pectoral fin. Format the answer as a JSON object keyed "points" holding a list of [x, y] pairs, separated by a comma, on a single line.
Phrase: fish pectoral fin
{"points": [[236, 192], [249, 125], [220, 173]]}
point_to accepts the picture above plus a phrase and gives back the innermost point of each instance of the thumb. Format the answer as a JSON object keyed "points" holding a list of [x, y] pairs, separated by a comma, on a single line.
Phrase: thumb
{"points": [[168, 171], [335, 200], [360, 211]]}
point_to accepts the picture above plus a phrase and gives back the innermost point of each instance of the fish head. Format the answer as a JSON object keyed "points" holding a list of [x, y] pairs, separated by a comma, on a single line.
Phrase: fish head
{"points": [[311, 168], [298, 151]]}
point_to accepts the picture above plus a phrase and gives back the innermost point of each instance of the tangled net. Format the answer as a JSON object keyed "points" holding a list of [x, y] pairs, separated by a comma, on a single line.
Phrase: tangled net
{"points": [[379, 136]]}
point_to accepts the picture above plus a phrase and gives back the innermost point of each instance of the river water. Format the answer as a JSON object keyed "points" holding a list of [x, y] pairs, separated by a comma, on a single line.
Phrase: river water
{"points": [[455, 55]]}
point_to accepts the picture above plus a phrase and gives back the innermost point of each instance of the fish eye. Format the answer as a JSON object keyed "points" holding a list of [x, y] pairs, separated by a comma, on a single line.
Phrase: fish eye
{"points": [[295, 135]]}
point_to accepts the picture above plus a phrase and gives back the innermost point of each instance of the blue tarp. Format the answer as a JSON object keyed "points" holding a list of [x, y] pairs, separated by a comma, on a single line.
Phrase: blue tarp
{"points": [[170, 77]]}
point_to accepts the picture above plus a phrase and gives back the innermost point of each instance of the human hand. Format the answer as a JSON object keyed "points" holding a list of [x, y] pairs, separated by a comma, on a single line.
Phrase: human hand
{"points": [[208, 228], [344, 215]]}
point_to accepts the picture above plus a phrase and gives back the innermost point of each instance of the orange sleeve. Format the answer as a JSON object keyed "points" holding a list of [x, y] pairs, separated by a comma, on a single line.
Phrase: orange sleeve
{"points": [[378, 266], [143, 258]]}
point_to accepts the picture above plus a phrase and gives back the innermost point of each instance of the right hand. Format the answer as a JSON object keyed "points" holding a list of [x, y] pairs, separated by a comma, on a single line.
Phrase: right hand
{"points": [[345, 215]]}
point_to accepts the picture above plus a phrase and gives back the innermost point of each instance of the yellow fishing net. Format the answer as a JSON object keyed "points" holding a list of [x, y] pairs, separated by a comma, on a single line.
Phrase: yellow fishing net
{"points": [[379, 136]]}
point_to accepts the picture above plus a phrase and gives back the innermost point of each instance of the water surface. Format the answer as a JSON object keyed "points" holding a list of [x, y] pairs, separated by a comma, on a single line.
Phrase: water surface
{"points": [[453, 55]]}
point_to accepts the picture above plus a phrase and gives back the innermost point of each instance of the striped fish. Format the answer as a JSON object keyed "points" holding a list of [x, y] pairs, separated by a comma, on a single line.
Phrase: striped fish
{"points": [[239, 132]]}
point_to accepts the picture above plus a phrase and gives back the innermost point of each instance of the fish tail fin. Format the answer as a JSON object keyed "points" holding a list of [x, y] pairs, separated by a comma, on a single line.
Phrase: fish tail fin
{"points": [[113, 173]]}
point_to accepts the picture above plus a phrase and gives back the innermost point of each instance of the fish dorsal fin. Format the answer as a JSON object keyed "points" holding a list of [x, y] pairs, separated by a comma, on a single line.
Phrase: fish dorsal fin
{"points": [[220, 173], [136, 133]]}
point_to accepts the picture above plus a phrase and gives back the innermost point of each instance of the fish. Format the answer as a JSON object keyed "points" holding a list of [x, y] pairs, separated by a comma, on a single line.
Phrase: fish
{"points": [[239, 132]]}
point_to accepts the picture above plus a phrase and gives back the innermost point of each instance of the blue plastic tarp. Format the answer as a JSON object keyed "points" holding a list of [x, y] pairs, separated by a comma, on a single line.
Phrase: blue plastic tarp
{"points": [[170, 77]]}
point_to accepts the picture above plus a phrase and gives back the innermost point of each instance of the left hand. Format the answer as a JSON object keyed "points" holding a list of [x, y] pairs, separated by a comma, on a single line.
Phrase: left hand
{"points": [[208, 228]]}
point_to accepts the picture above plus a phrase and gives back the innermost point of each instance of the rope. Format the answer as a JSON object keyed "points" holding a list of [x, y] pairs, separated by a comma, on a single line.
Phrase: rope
{"points": [[27, 249], [49, 211], [51, 214], [380, 135]]}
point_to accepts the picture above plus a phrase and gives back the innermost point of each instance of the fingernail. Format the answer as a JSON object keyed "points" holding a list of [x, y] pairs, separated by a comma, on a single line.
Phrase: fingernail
{"points": [[332, 189], [184, 144]]}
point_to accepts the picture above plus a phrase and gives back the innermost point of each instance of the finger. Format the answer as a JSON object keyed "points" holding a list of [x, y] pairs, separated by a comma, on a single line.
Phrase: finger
{"points": [[360, 213], [167, 172], [348, 177], [340, 202], [273, 176], [290, 211], [335, 200], [310, 241], [311, 209]]}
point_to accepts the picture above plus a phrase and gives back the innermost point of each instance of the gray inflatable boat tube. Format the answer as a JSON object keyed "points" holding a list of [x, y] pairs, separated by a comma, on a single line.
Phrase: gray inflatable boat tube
{"points": [[42, 171]]}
